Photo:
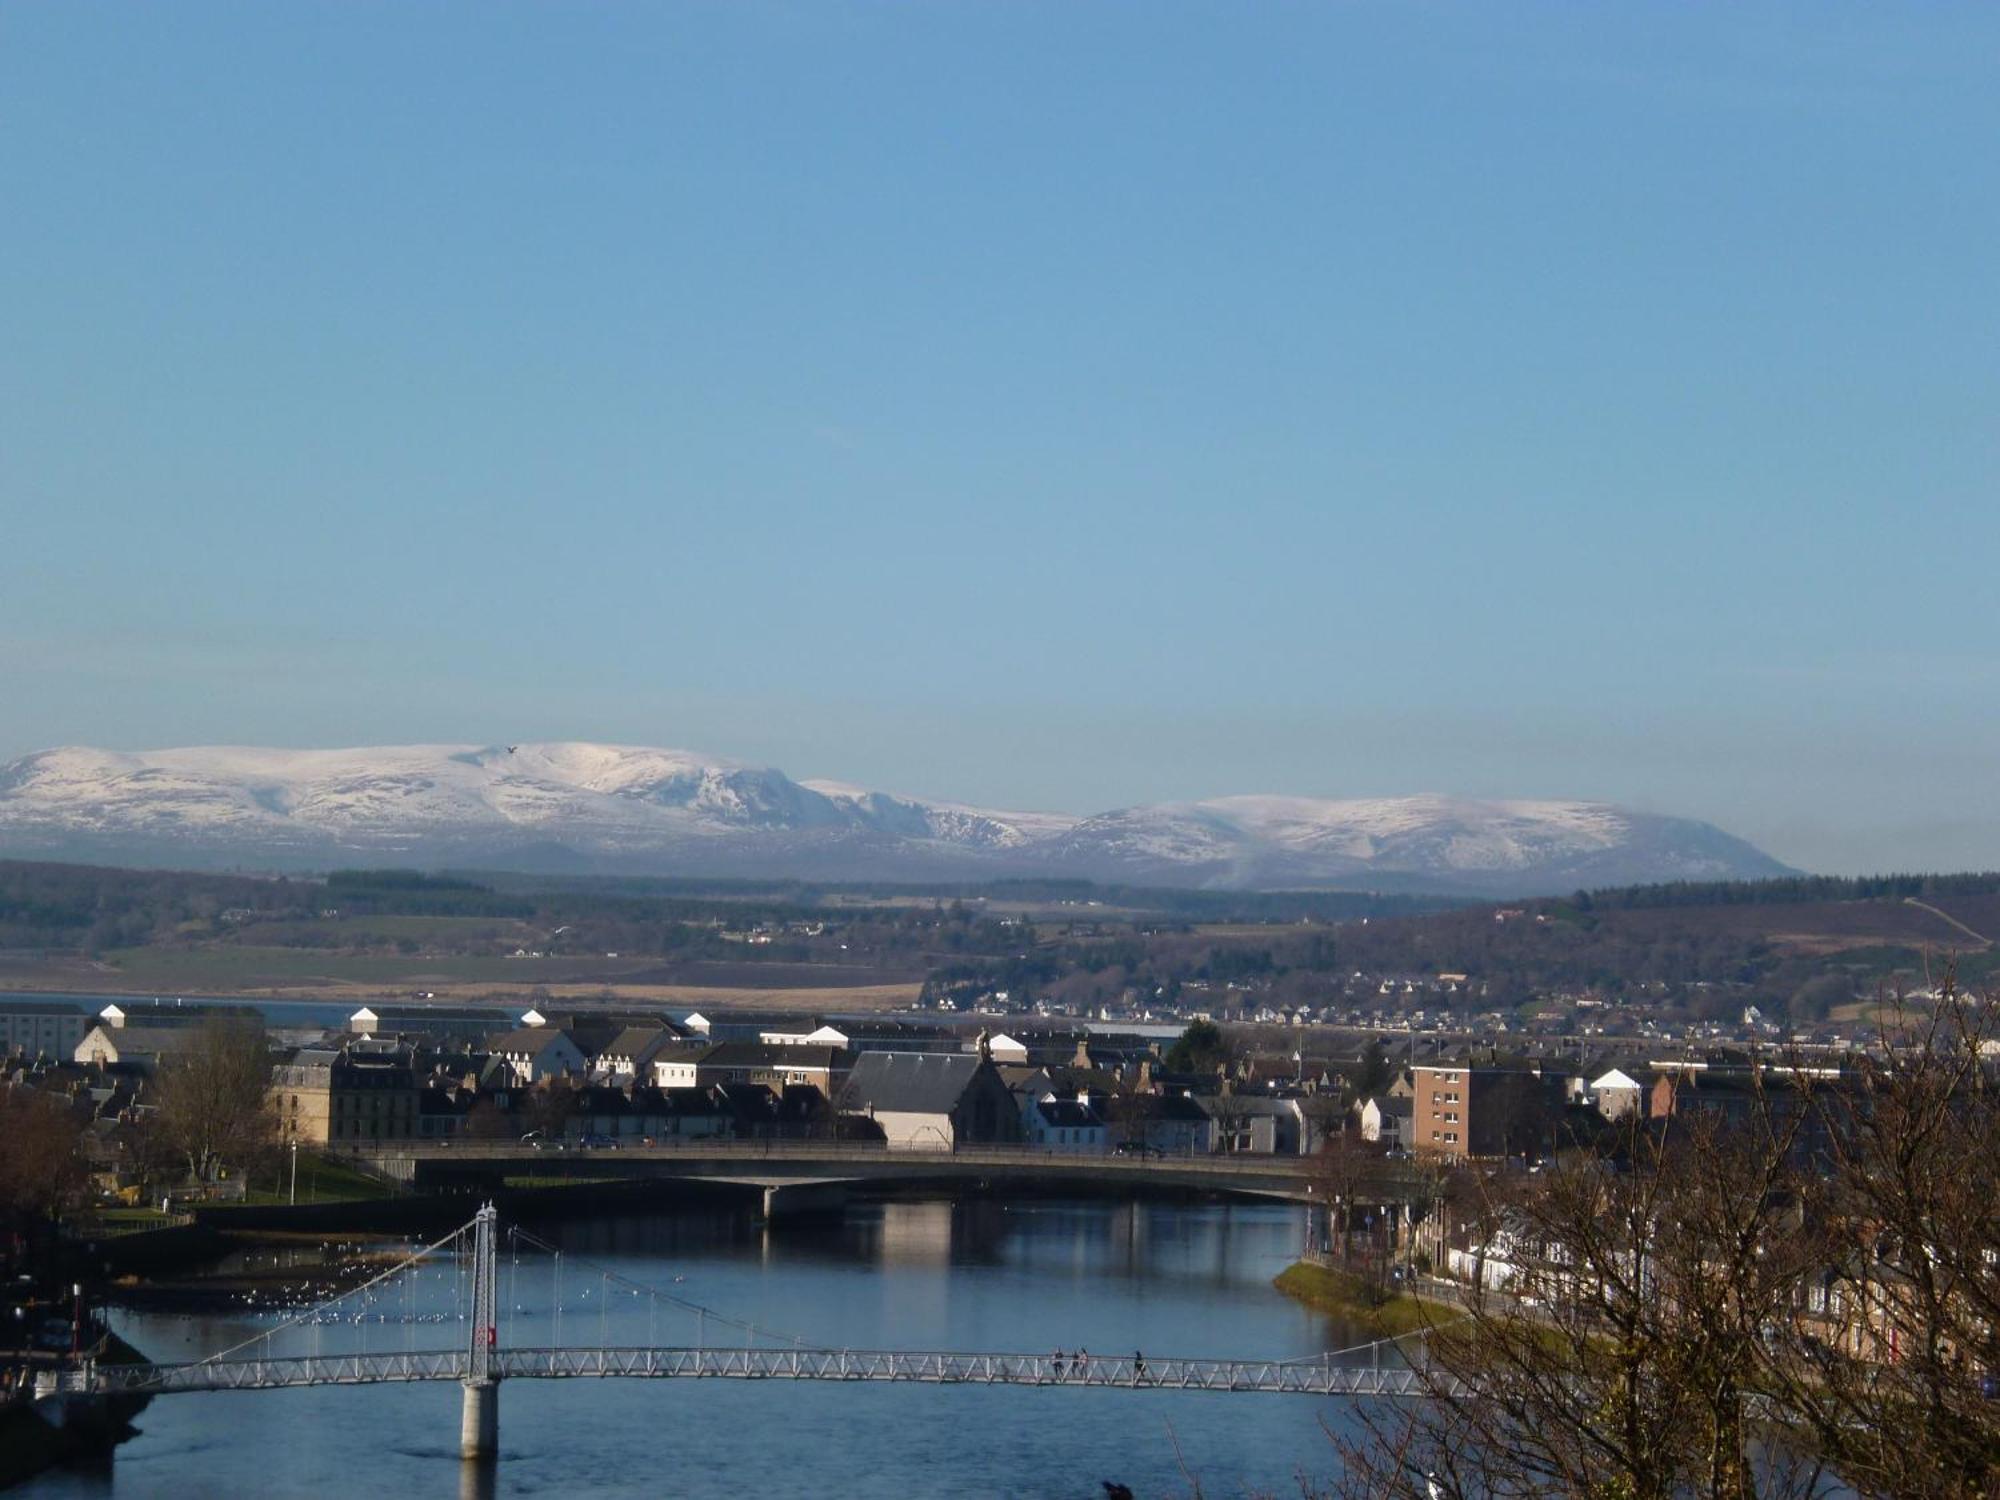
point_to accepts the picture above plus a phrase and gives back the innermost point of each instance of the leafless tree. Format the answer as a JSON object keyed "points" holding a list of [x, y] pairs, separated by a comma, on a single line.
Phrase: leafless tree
{"points": [[487, 1121], [549, 1105], [1612, 1345], [1339, 1170], [213, 1103], [1895, 1342], [42, 1171], [1231, 1112], [1128, 1106]]}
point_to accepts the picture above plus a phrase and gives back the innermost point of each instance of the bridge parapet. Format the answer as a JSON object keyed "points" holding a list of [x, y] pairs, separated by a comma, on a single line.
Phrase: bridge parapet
{"points": [[774, 1162]]}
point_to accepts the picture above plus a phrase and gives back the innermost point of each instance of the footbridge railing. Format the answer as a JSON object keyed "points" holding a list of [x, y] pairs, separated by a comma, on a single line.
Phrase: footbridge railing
{"points": [[1303, 1377], [465, 1268]]}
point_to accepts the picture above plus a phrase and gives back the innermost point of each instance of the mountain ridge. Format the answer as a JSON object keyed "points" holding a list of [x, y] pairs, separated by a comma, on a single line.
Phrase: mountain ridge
{"points": [[642, 809]]}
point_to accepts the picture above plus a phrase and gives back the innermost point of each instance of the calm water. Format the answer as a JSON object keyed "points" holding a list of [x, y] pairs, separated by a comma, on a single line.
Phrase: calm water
{"points": [[1030, 1277]]}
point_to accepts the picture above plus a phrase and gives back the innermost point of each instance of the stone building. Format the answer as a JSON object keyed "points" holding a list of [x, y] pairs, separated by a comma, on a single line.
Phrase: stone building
{"points": [[347, 1096]]}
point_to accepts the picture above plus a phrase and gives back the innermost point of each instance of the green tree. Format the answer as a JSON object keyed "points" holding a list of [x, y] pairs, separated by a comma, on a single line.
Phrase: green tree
{"points": [[1200, 1049]]}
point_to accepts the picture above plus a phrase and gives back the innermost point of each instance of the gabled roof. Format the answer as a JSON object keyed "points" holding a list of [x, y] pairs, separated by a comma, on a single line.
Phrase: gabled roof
{"points": [[767, 1055], [636, 1041], [529, 1041], [129, 1039], [911, 1082]]}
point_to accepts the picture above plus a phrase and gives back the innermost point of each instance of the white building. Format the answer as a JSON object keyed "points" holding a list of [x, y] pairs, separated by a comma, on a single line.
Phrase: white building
{"points": [[1006, 1049], [932, 1101], [1065, 1125], [629, 1055], [534, 1053], [139, 1047], [1618, 1094], [1386, 1119]]}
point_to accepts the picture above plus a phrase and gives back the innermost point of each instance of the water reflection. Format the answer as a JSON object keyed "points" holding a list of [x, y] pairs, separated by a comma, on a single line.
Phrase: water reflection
{"points": [[478, 1479], [1028, 1276]]}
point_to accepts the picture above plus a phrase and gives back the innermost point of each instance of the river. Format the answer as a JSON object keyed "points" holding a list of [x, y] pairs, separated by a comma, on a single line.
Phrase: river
{"points": [[1029, 1276]]}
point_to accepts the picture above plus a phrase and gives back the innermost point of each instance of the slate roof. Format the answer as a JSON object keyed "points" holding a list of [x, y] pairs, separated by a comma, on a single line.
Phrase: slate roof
{"points": [[916, 1083], [129, 1041], [768, 1055], [636, 1041], [529, 1041], [1067, 1113], [432, 1018], [1177, 1107]]}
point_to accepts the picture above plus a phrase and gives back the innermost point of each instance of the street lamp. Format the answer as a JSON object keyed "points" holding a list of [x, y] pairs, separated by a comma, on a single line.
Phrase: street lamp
{"points": [[295, 1171]]}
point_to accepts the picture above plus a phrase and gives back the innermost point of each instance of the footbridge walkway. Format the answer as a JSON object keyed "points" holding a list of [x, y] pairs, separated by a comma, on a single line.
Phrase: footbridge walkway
{"points": [[1325, 1375], [458, 1280]]}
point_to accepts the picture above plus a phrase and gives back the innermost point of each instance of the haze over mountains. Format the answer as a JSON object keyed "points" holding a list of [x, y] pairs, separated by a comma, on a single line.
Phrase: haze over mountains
{"points": [[625, 809]]}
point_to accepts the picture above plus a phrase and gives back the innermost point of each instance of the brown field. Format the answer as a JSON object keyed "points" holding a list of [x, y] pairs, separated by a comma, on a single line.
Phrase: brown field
{"points": [[303, 974], [1807, 927]]}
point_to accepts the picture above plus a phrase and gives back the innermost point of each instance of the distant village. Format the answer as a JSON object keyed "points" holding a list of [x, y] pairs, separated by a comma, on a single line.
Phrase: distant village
{"points": [[1446, 1007]]}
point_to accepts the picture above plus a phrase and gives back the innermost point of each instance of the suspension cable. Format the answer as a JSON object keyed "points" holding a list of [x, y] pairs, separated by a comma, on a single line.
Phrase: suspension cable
{"points": [[755, 1330], [313, 1312]]}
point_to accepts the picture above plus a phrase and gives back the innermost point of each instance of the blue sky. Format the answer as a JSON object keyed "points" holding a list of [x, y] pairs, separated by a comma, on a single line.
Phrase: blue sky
{"points": [[1058, 405]]}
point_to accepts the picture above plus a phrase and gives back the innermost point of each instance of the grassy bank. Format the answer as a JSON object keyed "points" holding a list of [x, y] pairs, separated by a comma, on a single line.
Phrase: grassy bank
{"points": [[1347, 1295]]}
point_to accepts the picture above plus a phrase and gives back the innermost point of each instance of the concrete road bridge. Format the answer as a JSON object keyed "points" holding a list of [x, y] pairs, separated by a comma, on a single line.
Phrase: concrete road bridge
{"points": [[775, 1164]]}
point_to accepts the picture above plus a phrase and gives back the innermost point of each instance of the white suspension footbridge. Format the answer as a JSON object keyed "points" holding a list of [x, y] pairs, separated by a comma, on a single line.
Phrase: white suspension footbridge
{"points": [[358, 1323]]}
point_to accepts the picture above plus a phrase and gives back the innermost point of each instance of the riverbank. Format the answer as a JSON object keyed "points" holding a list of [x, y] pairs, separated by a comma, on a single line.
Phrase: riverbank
{"points": [[169, 1270], [1346, 1295]]}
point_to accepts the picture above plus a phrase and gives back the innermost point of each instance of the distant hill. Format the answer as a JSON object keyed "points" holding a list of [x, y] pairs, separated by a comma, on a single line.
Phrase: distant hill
{"points": [[610, 809], [1797, 949]]}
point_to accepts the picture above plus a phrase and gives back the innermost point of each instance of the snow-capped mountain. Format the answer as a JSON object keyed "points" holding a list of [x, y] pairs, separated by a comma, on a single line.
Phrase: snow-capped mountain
{"points": [[631, 809], [1426, 842]]}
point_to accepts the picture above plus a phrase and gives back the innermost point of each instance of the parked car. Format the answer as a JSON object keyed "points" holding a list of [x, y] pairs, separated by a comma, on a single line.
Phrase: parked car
{"points": [[1138, 1148], [595, 1142], [541, 1141]]}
